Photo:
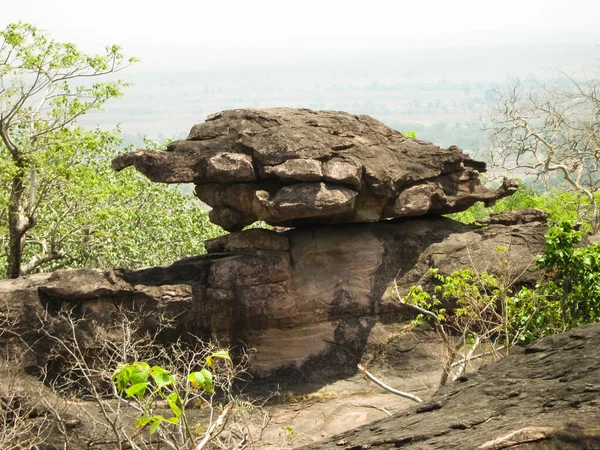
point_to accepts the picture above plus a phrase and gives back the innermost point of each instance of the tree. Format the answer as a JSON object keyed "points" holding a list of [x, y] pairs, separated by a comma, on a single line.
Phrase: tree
{"points": [[45, 86], [61, 204], [547, 130]]}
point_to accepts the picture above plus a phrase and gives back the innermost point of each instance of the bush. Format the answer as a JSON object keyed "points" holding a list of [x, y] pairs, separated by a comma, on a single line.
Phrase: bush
{"points": [[562, 206], [571, 276], [479, 314]]}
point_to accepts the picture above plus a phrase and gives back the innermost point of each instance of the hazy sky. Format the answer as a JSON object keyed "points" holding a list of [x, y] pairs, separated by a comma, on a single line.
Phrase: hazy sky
{"points": [[231, 29], [199, 56]]}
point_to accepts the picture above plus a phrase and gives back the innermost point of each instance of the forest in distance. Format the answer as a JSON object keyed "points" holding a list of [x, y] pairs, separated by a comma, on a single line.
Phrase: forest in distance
{"points": [[443, 96]]}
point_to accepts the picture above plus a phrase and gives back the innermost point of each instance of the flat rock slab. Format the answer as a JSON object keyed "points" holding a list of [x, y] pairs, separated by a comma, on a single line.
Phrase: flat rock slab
{"points": [[545, 396], [296, 167]]}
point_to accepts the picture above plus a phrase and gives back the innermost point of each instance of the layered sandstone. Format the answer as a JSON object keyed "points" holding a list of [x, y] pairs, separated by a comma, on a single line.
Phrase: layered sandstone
{"points": [[301, 295], [298, 167]]}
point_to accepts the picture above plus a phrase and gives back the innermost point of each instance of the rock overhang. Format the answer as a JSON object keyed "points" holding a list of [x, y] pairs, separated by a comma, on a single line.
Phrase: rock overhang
{"points": [[296, 167]]}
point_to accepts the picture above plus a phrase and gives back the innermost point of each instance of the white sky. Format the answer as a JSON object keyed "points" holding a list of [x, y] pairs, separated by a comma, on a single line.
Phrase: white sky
{"points": [[257, 25]]}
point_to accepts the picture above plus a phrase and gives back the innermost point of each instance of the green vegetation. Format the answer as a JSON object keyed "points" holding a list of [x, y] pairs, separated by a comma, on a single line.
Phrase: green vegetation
{"points": [[561, 205], [482, 314], [147, 386], [571, 282], [61, 205]]}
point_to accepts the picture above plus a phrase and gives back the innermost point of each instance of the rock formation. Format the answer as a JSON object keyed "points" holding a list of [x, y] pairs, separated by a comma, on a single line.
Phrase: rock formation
{"points": [[299, 296], [544, 396], [296, 167], [313, 299]]}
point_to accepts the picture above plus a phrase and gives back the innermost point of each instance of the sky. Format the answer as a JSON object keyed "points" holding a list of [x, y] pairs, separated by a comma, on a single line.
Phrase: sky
{"points": [[220, 32], [199, 56]]}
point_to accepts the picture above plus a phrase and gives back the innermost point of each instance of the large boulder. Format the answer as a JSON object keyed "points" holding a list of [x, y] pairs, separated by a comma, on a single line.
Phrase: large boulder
{"points": [[301, 295], [297, 167]]}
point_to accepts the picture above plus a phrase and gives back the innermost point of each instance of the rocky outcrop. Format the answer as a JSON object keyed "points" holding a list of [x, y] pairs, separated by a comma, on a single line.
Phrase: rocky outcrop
{"points": [[544, 396], [296, 167], [516, 217], [298, 296]]}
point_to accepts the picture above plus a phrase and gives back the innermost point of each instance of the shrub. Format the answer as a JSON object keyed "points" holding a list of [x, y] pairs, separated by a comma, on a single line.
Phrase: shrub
{"points": [[479, 314]]}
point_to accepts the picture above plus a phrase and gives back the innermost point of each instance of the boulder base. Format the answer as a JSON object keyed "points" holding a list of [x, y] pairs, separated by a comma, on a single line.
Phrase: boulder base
{"points": [[322, 288], [544, 396]]}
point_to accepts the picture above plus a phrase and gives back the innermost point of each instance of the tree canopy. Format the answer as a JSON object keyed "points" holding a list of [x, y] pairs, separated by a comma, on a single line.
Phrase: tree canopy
{"points": [[60, 203]]}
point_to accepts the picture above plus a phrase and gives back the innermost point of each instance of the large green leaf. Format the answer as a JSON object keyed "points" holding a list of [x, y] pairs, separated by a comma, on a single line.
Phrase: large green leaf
{"points": [[161, 376], [137, 389]]}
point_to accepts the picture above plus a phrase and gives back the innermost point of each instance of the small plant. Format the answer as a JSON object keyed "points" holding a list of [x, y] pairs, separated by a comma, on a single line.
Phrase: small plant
{"points": [[409, 134], [288, 434], [146, 386], [179, 396], [469, 311]]}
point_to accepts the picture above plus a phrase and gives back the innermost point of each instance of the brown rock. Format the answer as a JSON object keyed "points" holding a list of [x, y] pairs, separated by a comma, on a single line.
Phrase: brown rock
{"points": [[343, 171], [519, 216], [296, 170], [271, 154], [227, 167], [257, 284], [249, 240], [542, 397]]}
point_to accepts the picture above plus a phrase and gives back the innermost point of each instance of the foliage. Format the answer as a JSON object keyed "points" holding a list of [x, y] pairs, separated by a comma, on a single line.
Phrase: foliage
{"points": [[471, 215], [45, 86], [571, 276], [470, 311], [61, 205], [94, 217], [147, 386], [409, 134], [482, 311], [562, 206]]}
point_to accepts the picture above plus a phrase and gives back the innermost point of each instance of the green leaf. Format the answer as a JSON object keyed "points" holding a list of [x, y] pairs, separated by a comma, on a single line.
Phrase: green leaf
{"points": [[161, 377], [155, 425], [173, 401], [137, 389], [221, 354], [202, 379], [138, 373], [142, 422]]}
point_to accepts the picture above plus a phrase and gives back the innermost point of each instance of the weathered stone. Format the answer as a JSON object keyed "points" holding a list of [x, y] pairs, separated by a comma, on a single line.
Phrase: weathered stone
{"points": [[343, 171], [270, 154], [257, 281], [544, 396], [249, 240], [516, 217], [414, 201], [227, 167], [296, 170], [308, 200]]}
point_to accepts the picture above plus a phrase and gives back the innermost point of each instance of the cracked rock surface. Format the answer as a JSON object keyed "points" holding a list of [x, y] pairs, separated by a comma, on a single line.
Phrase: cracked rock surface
{"points": [[296, 167], [545, 396]]}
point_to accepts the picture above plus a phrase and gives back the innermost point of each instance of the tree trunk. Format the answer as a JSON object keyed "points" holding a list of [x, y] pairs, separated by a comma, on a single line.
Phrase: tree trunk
{"points": [[18, 225], [595, 218]]}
